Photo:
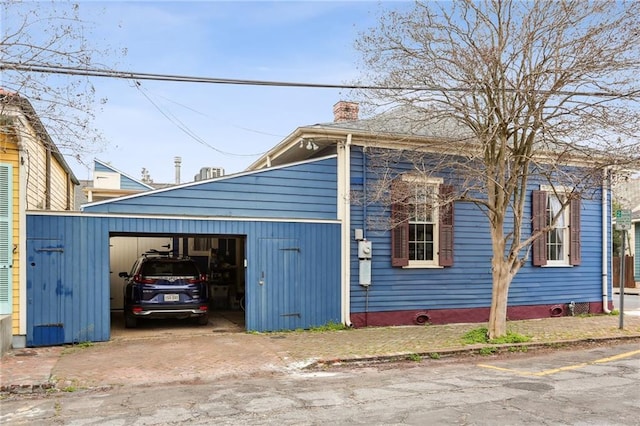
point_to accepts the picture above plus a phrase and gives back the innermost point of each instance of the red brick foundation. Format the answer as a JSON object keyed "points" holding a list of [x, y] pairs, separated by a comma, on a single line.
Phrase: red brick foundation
{"points": [[450, 316]]}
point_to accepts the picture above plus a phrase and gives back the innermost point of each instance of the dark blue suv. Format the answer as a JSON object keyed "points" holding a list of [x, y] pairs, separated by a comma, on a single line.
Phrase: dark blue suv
{"points": [[163, 286]]}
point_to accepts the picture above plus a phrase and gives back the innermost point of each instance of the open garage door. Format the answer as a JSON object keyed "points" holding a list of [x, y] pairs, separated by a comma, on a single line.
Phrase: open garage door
{"points": [[220, 257]]}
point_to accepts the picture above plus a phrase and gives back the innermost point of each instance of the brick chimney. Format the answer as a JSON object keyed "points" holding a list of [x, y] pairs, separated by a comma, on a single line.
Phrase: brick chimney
{"points": [[345, 111]]}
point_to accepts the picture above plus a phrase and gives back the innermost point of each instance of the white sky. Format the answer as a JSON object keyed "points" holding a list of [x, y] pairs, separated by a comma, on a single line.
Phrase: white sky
{"points": [[299, 41]]}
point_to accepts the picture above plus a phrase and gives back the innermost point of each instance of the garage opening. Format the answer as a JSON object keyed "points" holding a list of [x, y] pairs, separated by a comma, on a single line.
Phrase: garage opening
{"points": [[221, 258]]}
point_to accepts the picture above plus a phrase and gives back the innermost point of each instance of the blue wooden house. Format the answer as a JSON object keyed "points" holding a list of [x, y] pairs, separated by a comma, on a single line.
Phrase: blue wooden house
{"points": [[443, 274], [305, 252]]}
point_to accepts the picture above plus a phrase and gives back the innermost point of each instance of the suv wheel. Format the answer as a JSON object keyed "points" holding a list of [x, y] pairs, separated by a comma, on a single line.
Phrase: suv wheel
{"points": [[130, 321], [203, 319]]}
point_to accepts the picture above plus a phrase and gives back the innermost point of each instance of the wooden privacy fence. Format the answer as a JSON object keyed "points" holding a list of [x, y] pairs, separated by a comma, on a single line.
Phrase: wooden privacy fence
{"points": [[629, 281]]}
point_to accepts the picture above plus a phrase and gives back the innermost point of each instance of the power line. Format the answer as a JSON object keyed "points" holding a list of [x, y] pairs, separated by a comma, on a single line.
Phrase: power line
{"points": [[94, 72], [180, 125], [259, 132]]}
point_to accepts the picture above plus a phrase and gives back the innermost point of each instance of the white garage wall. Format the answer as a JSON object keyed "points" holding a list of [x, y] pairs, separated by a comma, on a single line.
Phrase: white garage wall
{"points": [[123, 251]]}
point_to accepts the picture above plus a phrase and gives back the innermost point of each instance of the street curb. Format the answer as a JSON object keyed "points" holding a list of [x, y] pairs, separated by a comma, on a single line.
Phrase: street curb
{"points": [[471, 350], [28, 389], [51, 384]]}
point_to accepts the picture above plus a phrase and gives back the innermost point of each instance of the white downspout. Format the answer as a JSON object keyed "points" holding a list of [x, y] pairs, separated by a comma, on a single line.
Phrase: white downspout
{"points": [[605, 243], [344, 214]]}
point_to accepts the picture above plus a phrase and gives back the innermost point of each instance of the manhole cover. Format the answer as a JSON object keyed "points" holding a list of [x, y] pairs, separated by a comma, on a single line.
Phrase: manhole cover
{"points": [[530, 386]]}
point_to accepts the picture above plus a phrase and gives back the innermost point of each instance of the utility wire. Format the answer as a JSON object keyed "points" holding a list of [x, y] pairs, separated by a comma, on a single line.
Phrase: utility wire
{"points": [[180, 125], [214, 118], [94, 72]]}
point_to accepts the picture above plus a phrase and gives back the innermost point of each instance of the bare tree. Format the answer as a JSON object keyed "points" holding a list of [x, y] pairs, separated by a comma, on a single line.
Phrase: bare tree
{"points": [[539, 91], [51, 33]]}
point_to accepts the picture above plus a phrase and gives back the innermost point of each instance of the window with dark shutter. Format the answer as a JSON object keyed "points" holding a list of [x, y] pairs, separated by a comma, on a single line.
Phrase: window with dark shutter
{"points": [[422, 229], [560, 245]]}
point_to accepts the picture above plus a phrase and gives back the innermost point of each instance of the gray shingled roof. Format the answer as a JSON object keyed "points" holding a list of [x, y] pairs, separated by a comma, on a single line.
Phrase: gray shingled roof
{"points": [[405, 121]]}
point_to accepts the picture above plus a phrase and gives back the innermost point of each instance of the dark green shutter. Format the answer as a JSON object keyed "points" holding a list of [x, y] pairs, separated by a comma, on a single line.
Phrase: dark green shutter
{"points": [[6, 236]]}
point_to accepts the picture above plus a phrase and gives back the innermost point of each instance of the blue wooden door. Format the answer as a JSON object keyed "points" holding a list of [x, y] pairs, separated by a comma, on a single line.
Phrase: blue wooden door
{"points": [[45, 294], [277, 293]]}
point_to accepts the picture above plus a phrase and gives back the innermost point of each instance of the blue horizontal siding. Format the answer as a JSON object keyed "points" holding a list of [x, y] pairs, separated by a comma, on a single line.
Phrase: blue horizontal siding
{"points": [[128, 183], [100, 167], [468, 284], [301, 191]]}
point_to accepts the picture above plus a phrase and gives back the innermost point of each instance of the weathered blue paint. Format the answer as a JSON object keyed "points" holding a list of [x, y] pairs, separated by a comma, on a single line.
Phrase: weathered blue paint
{"points": [[44, 282], [303, 191], [468, 284], [68, 275], [288, 217]]}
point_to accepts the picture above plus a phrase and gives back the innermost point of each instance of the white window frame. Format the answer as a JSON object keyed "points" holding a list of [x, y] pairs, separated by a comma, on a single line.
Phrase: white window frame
{"points": [[564, 218], [435, 220]]}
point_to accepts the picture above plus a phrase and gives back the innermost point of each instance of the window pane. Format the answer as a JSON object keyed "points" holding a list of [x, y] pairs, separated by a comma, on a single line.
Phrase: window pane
{"points": [[422, 222], [428, 255], [554, 205], [422, 204], [421, 241], [412, 233], [556, 238]]}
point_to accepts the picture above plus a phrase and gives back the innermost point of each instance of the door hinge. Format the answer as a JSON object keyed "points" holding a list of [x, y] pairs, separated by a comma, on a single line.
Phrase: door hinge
{"points": [[51, 249]]}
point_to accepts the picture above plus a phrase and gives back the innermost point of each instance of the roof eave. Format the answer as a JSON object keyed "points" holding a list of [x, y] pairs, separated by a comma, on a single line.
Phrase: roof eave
{"points": [[31, 115]]}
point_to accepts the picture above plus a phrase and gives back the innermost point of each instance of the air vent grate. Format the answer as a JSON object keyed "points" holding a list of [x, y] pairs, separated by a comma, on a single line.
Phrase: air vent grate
{"points": [[581, 308]]}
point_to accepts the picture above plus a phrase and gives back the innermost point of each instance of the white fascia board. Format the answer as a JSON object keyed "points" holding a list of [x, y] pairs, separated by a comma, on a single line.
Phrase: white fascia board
{"points": [[317, 132], [68, 213], [276, 151]]}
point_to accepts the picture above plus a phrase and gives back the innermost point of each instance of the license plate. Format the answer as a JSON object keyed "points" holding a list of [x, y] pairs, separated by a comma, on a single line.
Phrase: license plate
{"points": [[171, 297]]}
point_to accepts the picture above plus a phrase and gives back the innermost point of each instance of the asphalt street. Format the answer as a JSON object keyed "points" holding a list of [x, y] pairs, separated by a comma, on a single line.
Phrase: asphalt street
{"points": [[593, 385], [631, 302]]}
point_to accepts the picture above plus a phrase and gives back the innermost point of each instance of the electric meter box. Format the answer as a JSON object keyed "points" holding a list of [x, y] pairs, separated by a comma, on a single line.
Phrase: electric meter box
{"points": [[364, 249]]}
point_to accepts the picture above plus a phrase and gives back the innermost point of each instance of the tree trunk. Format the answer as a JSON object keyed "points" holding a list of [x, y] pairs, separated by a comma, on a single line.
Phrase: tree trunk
{"points": [[502, 276], [501, 280]]}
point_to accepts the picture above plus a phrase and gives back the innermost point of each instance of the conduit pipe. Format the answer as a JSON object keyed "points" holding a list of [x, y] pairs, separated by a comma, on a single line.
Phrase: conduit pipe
{"points": [[605, 243], [365, 167]]}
